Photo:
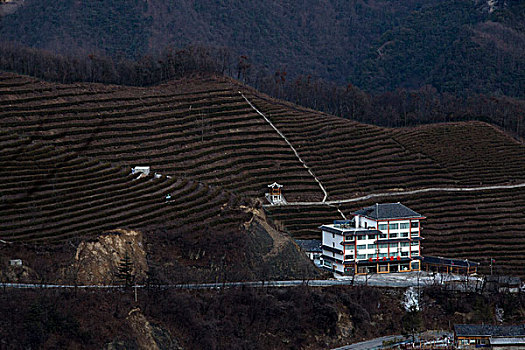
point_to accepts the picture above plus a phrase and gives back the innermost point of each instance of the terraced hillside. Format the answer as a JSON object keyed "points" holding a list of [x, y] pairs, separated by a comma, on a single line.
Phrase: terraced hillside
{"points": [[475, 225], [353, 159], [54, 195], [474, 153], [202, 130]]}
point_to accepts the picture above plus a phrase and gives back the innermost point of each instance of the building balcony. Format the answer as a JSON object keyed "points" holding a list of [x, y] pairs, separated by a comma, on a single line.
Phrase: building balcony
{"points": [[332, 249]]}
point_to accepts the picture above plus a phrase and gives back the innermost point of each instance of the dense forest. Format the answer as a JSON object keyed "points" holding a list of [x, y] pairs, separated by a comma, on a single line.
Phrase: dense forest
{"points": [[391, 63], [401, 107], [244, 318], [458, 47]]}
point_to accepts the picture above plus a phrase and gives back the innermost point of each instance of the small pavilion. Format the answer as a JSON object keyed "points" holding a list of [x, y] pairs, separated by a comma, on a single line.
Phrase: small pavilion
{"points": [[275, 196]]}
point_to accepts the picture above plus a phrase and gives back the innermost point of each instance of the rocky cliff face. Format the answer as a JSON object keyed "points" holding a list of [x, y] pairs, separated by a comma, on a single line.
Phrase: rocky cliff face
{"points": [[97, 262]]}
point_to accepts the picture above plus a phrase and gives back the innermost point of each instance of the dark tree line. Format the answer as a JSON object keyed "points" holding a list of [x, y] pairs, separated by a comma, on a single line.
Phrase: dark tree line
{"points": [[398, 108], [90, 67], [401, 107]]}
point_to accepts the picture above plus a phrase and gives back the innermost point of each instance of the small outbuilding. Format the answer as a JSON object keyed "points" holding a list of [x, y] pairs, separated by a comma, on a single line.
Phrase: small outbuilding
{"points": [[141, 170], [472, 336], [275, 196], [448, 265], [312, 248], [15, 262]]}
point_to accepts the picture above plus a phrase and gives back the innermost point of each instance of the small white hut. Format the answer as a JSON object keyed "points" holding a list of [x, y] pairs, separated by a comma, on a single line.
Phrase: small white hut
{"points": [[141, 170]]}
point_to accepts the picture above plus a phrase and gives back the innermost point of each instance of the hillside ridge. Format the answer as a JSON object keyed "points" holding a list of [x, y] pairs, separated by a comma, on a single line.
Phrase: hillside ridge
{"points": [[219, 151]]}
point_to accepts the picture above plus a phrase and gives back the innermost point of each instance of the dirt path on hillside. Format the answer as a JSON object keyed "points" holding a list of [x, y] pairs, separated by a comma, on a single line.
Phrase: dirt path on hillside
{"points": [[401, 193], [289, 144]]}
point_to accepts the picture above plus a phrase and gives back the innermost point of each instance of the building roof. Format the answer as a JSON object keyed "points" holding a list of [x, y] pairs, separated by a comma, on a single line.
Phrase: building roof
{"points": [[309, 245], [507, 341], [388, 211], [346, 229], [471, 330]]}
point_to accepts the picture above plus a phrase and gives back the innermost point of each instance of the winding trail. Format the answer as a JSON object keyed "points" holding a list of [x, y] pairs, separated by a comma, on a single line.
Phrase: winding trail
{"points": [[289, 144], [400, 193]]}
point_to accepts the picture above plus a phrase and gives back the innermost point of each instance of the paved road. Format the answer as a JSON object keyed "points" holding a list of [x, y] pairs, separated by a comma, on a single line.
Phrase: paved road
{"points": [[430, 337], [398, 193], [395, 280], [376, 343], [254, 284]]}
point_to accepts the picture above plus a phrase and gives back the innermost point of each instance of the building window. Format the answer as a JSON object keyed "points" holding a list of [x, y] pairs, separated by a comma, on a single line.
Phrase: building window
{"points": [[361, 256], [333, 235], [349, 257], [350, 238], [362, 246], [333, 254], [414, 224], [393, 226], [404, 253], [383, 245], [382, 227], [414, 244], [383, 235], [371, 236], [393, 235], [361, 238], [404, 225], [371, 246], [403, 234], [405, 244], [333, 244], [382, 255], [414, 234]]}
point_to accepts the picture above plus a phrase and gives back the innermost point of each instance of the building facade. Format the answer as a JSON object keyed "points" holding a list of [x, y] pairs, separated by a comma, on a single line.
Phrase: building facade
{"points": [[381, 238]]}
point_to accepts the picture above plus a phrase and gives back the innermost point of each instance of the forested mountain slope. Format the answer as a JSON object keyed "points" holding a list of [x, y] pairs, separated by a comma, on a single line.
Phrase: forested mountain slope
{"points": [[456, 46]]}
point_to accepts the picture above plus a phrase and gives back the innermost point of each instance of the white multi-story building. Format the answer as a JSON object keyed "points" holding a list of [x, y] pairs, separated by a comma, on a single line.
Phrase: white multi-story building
{"points": [[381, 238]]}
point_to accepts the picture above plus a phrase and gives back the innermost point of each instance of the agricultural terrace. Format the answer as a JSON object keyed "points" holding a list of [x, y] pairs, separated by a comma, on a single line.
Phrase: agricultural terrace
{"points": [[470, 225], [200, 129], [474, 153], [51, 195], [353, 159], [78, 142]]}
